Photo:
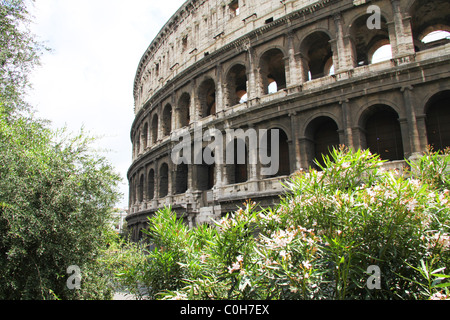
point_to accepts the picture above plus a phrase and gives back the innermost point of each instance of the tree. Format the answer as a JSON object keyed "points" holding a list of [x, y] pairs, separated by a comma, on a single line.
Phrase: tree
{"points": [[19, 53], [56, 192]]}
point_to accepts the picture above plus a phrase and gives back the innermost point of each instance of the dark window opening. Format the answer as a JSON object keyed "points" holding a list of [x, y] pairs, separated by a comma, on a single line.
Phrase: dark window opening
{"points": [[207, 97], [237, 85], [438, 121], [163, 180], [181, 179], [184, 112], [273, 73], [323, 136], [383, 134], [151, 185], [167, 120], [318, 55]]}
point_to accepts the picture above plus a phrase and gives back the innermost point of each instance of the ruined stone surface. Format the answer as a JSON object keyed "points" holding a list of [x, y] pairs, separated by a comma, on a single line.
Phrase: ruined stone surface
{"points": [[197, 68]]}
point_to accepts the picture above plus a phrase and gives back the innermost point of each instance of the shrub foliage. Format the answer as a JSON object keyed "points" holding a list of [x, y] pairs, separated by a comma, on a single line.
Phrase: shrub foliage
{"points": [[322, 241]]}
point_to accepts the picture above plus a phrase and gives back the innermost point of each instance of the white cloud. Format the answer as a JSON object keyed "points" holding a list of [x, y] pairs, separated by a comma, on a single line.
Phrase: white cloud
{"points": [[88, 78]]}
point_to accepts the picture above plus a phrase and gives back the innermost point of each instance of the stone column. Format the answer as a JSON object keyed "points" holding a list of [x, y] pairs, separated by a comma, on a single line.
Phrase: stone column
{"points": [[252, 163], [303, 67], [348, 132], [342, 58], [404, 43], [219, 90], [194, 107], [293, 76], [253, 91], [410, 109], [404, 128], [304, 159], [296, 143], [422, 128]]}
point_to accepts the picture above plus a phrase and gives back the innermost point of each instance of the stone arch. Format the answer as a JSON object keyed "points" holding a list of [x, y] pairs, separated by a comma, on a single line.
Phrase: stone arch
{"points": [[321, 137], [284, 161], [237, 84], [181, 183], [137, 142], [167, 120], [382, 132], [316, 52], [365, 42], [272, 70], [437, 112], [238, 171], [144, 136], [426, 17], [131, 196], [154, 129], [151, 184], [207, 97], [205, 173], [184, 115], [140, 188], [163, 180]]}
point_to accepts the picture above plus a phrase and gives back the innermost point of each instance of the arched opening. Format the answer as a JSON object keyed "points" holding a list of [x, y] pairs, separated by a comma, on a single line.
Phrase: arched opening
{"points": [[284, 166], [163, 180], [369, 45], [151, 185], [381, 53], [237, 85], [137, 145], [237, 172], [383, 133], [167, 120], [131, 195], [438, 120], [181, 179], [436, 37], [322, 136], [141, 188], [206, 173], [154, 132], [184, 116], [318, 56], [273, 73], [144, 136], [430, 23], [207, 98]]}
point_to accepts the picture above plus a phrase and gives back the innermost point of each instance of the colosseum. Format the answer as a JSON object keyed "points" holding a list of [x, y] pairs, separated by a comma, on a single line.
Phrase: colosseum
{"points": [[360, 73]]}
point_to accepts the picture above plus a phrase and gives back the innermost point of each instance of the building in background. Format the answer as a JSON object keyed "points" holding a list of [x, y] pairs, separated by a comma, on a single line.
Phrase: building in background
{"points": [[313, 70]]}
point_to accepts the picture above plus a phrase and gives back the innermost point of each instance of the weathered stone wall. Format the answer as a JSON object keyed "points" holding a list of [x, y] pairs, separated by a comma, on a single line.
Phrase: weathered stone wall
{"points": [[328, 91]]}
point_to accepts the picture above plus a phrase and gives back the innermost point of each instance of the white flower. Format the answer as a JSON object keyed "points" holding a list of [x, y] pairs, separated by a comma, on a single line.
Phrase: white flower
{"points": [[439, 296], [346, 165], [412, 204], [306, 265], [442, 198], [234, 267], [203, 258]]}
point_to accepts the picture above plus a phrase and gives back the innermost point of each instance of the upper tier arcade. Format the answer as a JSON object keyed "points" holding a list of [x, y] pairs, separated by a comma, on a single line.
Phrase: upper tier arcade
{"points": [[201, 27]]}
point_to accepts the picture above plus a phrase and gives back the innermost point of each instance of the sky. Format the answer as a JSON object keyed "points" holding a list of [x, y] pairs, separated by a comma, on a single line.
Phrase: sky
{"points": [[87, 79]]}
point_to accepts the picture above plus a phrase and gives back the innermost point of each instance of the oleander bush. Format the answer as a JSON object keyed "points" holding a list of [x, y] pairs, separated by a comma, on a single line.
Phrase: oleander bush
{"points": [[331, 230]]}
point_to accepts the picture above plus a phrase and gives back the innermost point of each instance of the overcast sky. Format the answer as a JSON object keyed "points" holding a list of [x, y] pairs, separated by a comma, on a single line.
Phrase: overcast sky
{"points": [[87, 80]]}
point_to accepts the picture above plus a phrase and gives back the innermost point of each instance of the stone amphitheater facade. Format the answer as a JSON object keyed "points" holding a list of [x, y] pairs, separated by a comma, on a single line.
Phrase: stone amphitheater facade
{"points": [[214, 63]]}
